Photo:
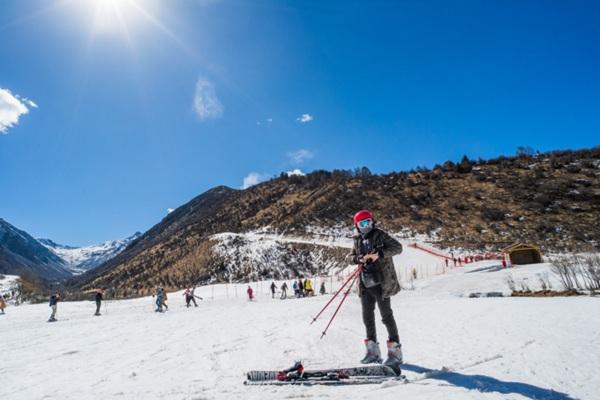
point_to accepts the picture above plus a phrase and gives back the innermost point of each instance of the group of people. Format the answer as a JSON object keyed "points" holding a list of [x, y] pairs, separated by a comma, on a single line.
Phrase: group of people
{"points": [[301, 288]]}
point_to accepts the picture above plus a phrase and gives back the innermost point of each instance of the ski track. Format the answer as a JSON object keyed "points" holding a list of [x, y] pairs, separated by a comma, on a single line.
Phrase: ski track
{"points": [[454, 347]]}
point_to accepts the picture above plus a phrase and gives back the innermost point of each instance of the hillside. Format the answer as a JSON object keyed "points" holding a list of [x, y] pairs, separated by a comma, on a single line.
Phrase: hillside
{"points": [[552, 199], [21, 254]]}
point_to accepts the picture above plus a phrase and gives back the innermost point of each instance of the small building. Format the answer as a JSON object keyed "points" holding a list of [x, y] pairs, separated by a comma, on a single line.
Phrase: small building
{"points": [[520, 253]]}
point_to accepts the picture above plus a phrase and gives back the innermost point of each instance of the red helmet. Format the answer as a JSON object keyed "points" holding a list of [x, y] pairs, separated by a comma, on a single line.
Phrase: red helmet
{"points": [[361, 215]]}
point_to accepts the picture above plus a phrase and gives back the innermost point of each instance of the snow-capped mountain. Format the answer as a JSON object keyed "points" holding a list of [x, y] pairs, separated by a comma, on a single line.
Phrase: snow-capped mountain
{"points": [[21, 254], [81, 259]]}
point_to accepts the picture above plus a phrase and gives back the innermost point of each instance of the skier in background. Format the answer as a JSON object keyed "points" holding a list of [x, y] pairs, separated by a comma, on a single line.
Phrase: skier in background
{"points": [[54, 299], [159, 301], [98, 298], [273, 289], [300, 287], [250, 293], [189, 297], [308, 287], [296, 290], [373, 250], [2, 304], [164, 299], [322, 290], [284, 289]]}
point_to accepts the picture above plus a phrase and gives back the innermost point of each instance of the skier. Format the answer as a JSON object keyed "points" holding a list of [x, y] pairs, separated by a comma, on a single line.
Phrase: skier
{"points": [[164, 299], [159, 301], [2, 304], [54, 299], [250, 293], [373, 250], [296, 290], [322, 290], [273, 289], [98, 298], [308, 287], [301, 287], [284, 288], [189, 297]]}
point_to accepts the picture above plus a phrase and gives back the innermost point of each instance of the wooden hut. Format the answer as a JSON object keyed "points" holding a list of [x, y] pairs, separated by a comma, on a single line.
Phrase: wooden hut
{"points": [[520, 253]]}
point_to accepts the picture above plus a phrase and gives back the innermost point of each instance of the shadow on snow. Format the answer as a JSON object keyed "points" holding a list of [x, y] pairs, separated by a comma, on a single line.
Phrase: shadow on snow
{"points": [[485, 383]]}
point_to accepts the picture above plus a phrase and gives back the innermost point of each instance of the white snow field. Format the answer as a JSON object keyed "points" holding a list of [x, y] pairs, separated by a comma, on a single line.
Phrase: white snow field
{"points": [[490, 348]]}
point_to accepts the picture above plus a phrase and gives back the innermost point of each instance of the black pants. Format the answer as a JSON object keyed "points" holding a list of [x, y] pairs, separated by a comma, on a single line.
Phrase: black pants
{"points": [[98, 304], [370, 297]]}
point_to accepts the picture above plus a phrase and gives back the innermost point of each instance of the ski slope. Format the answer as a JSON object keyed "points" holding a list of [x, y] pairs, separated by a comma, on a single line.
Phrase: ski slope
{"points": [[492, 348]]}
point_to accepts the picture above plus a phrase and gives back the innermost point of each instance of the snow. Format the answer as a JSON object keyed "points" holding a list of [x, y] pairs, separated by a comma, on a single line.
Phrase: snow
{"points": [[7, 283], [489, 348]]}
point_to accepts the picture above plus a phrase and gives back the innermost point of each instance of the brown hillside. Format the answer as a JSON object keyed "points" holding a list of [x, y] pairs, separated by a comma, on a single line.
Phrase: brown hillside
{"points": [[551, 199]]}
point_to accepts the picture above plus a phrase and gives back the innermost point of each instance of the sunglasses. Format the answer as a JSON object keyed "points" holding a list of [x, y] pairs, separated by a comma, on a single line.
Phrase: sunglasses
{"points": [[365, 223]]}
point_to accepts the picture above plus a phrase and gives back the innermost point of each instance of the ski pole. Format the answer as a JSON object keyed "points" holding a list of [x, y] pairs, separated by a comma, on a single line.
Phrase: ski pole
{"points": [[340, 305], [352, 275]]}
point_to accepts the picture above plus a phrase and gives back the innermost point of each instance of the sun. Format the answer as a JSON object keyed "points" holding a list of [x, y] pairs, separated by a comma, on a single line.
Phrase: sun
{"points": [[113, 16]]}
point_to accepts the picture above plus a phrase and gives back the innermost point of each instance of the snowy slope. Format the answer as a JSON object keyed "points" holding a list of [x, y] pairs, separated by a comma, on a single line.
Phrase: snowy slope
{"points": [[8, 283], [81, 259], [495, 348]]}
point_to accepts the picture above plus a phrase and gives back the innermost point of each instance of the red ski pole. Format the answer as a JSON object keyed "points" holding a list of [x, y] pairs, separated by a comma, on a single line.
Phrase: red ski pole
{"points": [[351, 277], [341, 302]]}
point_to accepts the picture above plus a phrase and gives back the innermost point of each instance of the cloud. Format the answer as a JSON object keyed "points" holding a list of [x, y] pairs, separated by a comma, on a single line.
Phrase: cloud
{"points": [[299, 156], [295, 172], [252, 179], [170, 210], [206, 103], [11, 109], [304, 118]]}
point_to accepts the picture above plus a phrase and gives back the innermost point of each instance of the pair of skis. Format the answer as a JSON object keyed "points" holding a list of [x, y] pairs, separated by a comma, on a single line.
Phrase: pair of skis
{"points": [[297, 375]]}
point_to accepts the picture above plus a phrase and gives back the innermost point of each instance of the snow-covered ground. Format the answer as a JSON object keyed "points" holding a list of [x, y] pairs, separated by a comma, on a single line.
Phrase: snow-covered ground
{"points": [[494, 348], [7, 283]]}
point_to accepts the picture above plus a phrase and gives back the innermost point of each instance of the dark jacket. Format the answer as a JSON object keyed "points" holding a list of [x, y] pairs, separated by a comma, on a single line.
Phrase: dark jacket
{"points": [[386, 247], [98, 297], [53, 300]]}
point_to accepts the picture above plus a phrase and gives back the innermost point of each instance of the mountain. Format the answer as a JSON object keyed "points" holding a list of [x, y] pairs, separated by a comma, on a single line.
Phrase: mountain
{"points": [[552, 199], [81, 259], [21, 254]]}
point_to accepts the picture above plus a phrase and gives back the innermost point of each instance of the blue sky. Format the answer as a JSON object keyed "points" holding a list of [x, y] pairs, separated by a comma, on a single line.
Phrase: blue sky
{"points": [[113, 111]]}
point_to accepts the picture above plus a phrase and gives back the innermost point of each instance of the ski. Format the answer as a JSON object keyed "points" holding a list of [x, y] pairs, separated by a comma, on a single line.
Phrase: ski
{"points": [[297, 375], [356, 380]]}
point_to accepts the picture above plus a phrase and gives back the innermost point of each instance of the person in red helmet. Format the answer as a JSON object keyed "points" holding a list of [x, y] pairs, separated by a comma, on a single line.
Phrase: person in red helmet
{"points": [[373, 250]]}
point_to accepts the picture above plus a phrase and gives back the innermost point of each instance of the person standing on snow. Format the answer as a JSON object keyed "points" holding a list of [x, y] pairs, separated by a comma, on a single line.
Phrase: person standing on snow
{"points": [[159, 300], [322, 290], [54, 299], [308, 287], [273, 289], [373, 251], [98, 298], [189, 297], [164, 299], [2, 304], [250, 293], [284, 288], [296, 290]]}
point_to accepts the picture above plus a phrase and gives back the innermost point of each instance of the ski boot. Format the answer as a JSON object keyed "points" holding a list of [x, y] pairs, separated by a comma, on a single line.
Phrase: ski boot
{"points": [[394, 358], [373, 354]]}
